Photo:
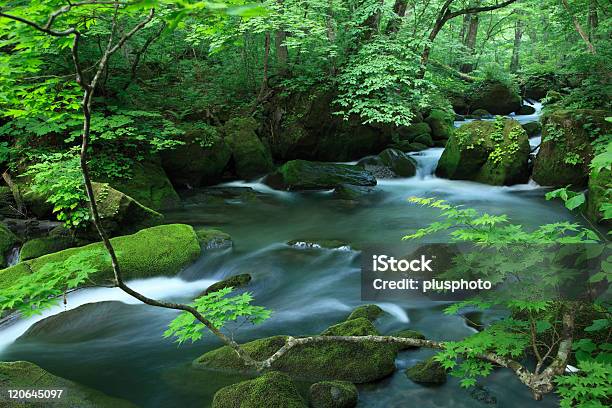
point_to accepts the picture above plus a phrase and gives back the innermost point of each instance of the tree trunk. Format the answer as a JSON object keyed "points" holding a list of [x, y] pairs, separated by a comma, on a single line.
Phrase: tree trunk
{"points": [[593, 19], [470, 39], [399, 8], [579, 28], [518, 35]]}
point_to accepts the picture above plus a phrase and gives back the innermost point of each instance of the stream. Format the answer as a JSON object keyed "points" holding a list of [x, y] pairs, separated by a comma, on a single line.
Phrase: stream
{"points": [[118, 348]]}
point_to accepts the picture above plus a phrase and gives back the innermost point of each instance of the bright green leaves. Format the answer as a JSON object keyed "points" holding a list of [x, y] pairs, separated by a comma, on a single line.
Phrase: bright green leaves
{"points": [[571, 198], [32, 293], [590, 387], [219, 308]]}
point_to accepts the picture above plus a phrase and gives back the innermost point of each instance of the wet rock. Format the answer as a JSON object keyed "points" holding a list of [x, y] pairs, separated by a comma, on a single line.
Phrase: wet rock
{"points": [[441, 124], [481, 113], [369, 312], [400, 163], [483, 395], [26, 375], [213, 238], [251, 157], [318, 243], [427, 372], [234, 281], [494, 153], [273, 390], [333, 394], [307, 175], [526, 110], [532, 128], [351, 192]]}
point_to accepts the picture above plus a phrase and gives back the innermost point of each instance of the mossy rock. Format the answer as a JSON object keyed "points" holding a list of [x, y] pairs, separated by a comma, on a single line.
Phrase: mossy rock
{"points": [[532, 128], [351, 192], [600, 193], [200, 161], [408, 334], [273, 390], [566, 150], [494, 153], [359, 326], [427, 372], [400, 163], [307, 175], [526, 110], [157, 251], [406, 146], [370, 312], [481, 113], [424, 139], [494, 96], [330, 360], [7, 241], [318, 243], [211, 238], [333, 394], [8, 207], [26, 375], [234, 281], [251, 157], [441, 124], [120, 213], [410, 133], [38, 247], [148, 184]]}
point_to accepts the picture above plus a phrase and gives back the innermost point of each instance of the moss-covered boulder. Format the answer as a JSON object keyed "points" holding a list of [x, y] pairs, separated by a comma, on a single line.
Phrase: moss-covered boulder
{"points": [[494, 153], [427, 372], [148, 184], [566, 150], [496, 97], [481, 113], [425, 140], [408, 334], [351, 192], [201, 160], [273, 390], [211, 238], [441, 124], [37, 247], [406, 146], [412, 132], [359, 326], [157, 251], [307, 175], [234, 281], [7, 241], [251, 157], [532, 128], [26, 375], [599, 194], [120, 213], [526, 110], [399, 162], [370, 312], [333, 394]]}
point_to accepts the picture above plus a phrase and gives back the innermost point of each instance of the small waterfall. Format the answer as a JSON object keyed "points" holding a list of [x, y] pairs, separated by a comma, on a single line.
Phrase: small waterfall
{"points": [[427, 161], [13, 256]]}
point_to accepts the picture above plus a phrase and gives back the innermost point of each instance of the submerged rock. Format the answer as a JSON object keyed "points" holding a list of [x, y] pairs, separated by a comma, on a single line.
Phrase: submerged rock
{"points": [[211, 238], [483, 395], [26, 375], [157, 251], [251, 157], [307, 175], [351, 192], [566, 150], [370, 312], [494, 153], [37, 247], [273, 390], [7, 241], [319, 243], [234, 281], [427, 372], [333, 394]]}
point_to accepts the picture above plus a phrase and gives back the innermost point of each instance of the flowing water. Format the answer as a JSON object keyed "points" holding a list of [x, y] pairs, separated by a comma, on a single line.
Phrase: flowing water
{"points": [[117, 347]]}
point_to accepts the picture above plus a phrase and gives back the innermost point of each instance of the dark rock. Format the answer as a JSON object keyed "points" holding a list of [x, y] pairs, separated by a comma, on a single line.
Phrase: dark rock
{"points": [[251, 157], [307, 175], [441, 124], [351, 192], [496, 97], [400, 163], [526, 110], [318, 243], [532, 128], [483, 395], [333, 394], [234, 281], [7, 241], [211, 238], [427, 372]]}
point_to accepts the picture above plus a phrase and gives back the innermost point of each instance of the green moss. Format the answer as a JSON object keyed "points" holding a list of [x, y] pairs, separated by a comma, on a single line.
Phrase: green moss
{"points": [[26, 375], [213, 238], [370, 312], [234, 281], [427, 372], [37, 247], [305, 175], [441, 124], [251, 157], [408, 334], [496, 97], [7, 241], [149, 185], [359, 326], [600, 192], [410, 133], [158, 251], [333, 394], [273, 390], [479, 113]]}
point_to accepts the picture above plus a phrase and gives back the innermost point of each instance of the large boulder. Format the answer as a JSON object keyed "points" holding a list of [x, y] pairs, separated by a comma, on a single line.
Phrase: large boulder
{"points": [[414, 131], [120, 213], [532, 128], [333, 394], [148, 184], [37, 247], [28, 376], [361, 362], [251, 157], [273, 390], [600, 193], [494, 153], [566, 150], [201, 160], [389, 163], [429, 371], [157, 251], [494, 96], [369, 312], [7, 241], [307, 175], [441, 124]]}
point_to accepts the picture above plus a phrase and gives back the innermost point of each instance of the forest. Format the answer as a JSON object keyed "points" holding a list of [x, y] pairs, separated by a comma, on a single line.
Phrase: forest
{"points": [[190, 188]]}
